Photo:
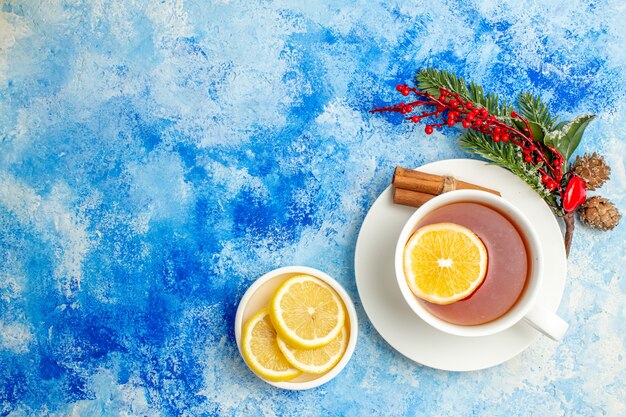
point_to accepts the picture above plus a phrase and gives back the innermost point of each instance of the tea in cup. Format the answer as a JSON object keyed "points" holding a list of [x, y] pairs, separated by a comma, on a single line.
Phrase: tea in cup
{"points": [[508, 289]]}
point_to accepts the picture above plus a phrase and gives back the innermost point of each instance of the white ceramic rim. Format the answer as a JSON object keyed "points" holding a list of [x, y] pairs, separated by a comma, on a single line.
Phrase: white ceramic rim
{"points": [[533, 285], [347, 301]]}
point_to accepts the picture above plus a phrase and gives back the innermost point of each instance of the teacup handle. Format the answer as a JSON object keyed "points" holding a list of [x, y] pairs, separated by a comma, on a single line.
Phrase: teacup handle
{"points": [[546, 322]]}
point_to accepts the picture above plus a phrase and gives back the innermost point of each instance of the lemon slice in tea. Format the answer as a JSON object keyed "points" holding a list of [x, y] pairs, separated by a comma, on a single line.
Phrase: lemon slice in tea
{"points": [[444, 263]]}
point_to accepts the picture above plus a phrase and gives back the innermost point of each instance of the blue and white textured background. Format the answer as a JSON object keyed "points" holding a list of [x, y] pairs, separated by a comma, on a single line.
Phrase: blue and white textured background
{"points": [[157, 157]]}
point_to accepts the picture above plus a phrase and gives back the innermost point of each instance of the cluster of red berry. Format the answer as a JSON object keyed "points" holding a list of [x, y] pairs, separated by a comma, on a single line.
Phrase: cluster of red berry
{"points": [[450, 108]]}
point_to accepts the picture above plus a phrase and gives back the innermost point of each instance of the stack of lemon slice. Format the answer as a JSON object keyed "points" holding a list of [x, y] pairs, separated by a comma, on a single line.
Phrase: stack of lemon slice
{"points": [[301, 331]]}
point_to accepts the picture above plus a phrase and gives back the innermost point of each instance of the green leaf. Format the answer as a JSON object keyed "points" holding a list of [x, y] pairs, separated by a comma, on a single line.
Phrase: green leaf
{"points": [[567, 138], [537, 130], [554, 138], [575, 133], [560, 125]]}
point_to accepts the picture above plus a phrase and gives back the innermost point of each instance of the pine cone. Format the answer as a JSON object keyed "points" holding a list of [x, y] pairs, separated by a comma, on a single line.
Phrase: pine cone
{"points": [[599, 213], [592, 169]]}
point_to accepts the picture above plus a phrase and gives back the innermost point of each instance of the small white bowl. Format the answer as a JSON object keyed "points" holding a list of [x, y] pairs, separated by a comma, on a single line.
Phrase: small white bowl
{"points": [[259, 295]]}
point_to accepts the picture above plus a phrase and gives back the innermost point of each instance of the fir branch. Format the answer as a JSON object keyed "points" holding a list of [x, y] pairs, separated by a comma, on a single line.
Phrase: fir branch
{"points": [[491, 102], [431, 80], [536, 111], [529, 143], [508, 157], [503, 154]]}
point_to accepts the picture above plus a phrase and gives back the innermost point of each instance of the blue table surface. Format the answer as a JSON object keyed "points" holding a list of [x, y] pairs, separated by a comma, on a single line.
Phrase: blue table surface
{"points": [[158, 157]]}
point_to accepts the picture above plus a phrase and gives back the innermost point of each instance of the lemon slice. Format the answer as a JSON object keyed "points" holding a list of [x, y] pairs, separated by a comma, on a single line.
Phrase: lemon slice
{"points": [[444, 263], [316, 361], [260, 349], [307, 313]]}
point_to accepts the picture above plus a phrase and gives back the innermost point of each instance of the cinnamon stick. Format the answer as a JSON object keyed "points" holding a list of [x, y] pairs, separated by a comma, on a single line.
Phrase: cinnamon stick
{"points": [[410, 198], [422, 182]]}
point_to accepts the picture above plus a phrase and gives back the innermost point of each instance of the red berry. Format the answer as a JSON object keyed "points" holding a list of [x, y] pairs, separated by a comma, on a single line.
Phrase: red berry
{"points": [[505, 137], [444, 93], [428, 129], [442, 98], [466, 123], [400, 87], [545, 178], [514, 114], [470, 116], [451, 122], [496, 138], [532, 147], [528, 158], [575, 194], [497, 130], [526, 151], [454, 103], [415, 119], [484, 112], [405, 92], [469, 104], [551, 184]]}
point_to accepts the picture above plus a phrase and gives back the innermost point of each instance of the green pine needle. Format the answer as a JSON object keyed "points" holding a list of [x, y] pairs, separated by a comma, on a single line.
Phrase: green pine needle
{"points": [[509, 157], [534, 110], [431, 80]]}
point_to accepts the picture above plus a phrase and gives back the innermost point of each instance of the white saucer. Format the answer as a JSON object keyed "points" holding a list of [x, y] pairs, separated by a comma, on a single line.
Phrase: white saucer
{"points": [[394, 319]]}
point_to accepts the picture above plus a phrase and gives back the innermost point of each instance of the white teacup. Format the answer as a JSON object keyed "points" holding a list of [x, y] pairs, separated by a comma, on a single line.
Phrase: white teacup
{"points": [[525, 308]]}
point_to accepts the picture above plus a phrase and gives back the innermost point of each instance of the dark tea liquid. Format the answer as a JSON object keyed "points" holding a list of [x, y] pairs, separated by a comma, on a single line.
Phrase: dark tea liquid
{"points": [[507, 266]]}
